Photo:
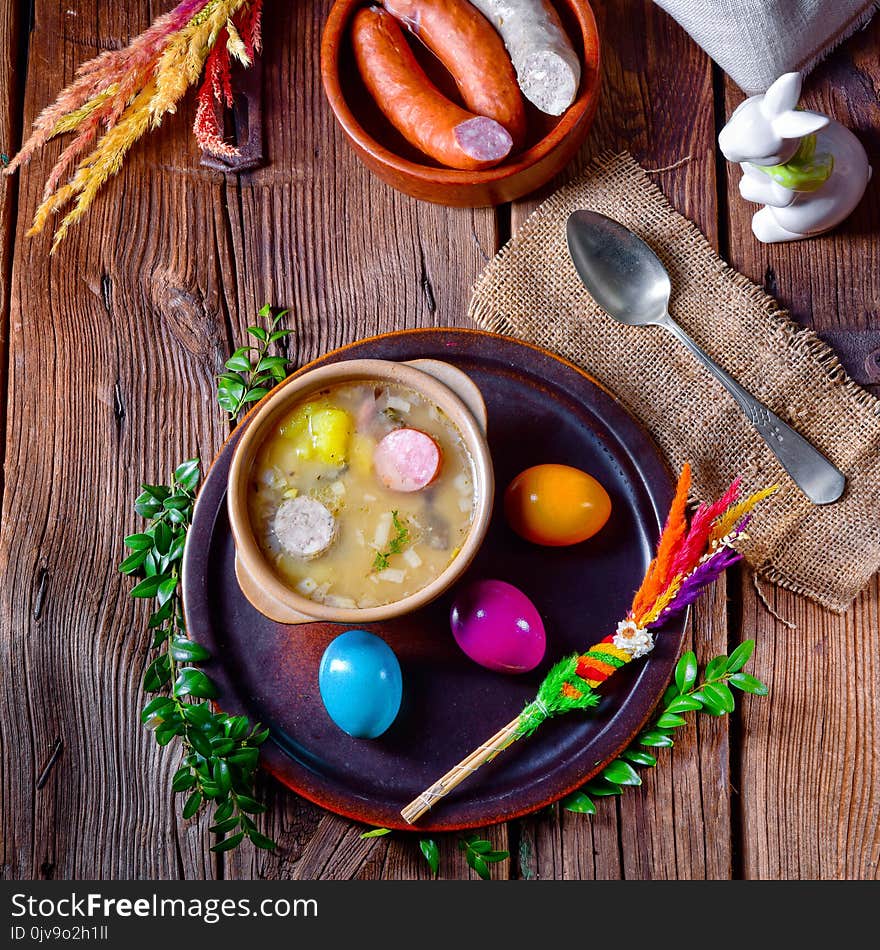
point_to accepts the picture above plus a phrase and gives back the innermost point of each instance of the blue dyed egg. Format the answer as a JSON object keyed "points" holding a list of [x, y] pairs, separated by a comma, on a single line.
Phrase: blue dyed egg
{"points": [[360, 683]]}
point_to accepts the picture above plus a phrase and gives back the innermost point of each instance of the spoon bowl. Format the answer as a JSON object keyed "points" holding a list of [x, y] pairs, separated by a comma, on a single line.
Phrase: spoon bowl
{"points": [[624, 276]]}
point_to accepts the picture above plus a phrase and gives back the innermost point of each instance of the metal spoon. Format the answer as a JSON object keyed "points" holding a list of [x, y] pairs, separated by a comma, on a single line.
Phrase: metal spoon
{"points": [[628, 280]]}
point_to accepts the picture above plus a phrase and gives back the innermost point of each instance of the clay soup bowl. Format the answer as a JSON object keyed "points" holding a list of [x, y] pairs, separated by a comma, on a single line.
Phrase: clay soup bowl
{"points": [[446, 387]]}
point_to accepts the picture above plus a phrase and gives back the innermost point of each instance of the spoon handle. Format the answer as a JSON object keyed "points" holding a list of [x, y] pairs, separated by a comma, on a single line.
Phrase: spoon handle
{"points": [[816, 477]]}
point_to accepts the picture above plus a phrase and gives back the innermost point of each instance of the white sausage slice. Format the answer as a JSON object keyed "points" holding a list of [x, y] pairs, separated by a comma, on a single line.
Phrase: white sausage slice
{"points": [[547, 67], [407, 460], [304, 527]]}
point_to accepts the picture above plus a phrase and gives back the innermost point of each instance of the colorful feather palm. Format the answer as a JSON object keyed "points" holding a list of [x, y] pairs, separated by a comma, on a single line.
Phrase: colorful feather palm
{"points": [[117, 96], [691, 555]]}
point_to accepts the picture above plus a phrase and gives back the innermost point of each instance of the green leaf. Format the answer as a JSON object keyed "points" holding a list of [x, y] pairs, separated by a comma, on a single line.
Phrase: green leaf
{"points": [[178, 502], [480, 845], [239, 361], [579, 802], [431, 852], [255, 395], [227, 844], [159, 492], [183, 779], [175, 551], [261, 841], [621, 773], [740, 656], [155, 707], [133, 562], [193, 803], [271, 363], [187, 474], [640, 757], [165, 733], [229, 396], [225, 826], [148, 587], [223, 746], [198, 713], [683, 704], [655, 739], [277, 335], [266, 312], [376, 833], [246, 757], [669, 720], [200, 742], [237, 726], [193, 682], [166, 589], [716, 668], [186, 651], [258, 738], [222, 776], [710, 704], [158, 617], [720, 695], [493, 857], [476, 862], [686, 671], [245, 803], [748, 684], [157, 673], [138, 542], [162, 537], [602, 788], [259, 333], [224, 810]]}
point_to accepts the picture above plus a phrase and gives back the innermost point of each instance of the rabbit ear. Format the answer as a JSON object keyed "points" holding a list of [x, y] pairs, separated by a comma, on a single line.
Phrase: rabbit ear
{"points": [[783, 95], [794, 125]]}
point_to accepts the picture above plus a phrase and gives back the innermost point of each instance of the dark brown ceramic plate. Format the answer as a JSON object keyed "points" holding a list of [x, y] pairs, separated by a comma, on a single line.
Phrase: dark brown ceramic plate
{"points": [[541, 409]]}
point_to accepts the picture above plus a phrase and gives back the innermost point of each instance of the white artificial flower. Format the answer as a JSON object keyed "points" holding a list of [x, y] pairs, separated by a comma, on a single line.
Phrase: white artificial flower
{"points": [[633, 639]]}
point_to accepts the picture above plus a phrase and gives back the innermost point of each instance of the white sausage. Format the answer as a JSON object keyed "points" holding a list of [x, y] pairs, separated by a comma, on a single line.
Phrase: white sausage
{"points": [[304, 527], [547, 68]]}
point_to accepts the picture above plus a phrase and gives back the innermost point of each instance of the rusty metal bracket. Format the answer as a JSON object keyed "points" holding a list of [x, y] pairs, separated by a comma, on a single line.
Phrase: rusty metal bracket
{"points": [[244, 122]]}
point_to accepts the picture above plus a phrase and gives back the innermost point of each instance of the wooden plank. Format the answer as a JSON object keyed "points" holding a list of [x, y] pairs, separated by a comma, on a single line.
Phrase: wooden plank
{"points": [[14, 22], [113, 346], [657, 102], [810, 801], [315, 231]]}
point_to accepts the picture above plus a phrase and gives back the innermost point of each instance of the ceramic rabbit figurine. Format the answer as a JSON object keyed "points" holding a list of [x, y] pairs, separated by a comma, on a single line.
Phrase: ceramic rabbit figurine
{"points": [[808, 170]]}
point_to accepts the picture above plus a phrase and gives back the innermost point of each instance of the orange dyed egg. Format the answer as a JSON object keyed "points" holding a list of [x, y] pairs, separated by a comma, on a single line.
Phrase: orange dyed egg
{"points": [[556, 505]]}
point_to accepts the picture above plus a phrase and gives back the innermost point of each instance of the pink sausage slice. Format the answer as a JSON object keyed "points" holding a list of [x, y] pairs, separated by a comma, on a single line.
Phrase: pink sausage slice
{"points": [[407, 460]]}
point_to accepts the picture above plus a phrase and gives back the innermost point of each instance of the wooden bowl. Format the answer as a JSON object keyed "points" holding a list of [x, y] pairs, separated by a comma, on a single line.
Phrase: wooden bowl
{"points": [[551, 142], [446, 387]]}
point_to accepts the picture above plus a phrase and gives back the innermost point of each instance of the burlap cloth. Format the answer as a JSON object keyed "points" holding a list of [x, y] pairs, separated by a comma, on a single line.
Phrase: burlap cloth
{"points": [[531, 290]]}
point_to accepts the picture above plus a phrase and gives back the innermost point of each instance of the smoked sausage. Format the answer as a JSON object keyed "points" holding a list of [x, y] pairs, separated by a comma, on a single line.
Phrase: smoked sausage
{"points": [[407, 460], [470, 48], [416, 107]]}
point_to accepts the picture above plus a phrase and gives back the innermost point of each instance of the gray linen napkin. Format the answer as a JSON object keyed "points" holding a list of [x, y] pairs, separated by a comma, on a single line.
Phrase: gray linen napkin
{"points": [[755, 41]]}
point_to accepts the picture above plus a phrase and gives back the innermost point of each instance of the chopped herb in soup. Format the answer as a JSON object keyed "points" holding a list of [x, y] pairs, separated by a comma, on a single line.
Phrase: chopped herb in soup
{"points": [[362, 495]]}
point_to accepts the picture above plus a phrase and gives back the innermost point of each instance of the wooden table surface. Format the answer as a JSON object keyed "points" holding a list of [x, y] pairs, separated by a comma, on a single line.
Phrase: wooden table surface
{"points": [[109, 350]]}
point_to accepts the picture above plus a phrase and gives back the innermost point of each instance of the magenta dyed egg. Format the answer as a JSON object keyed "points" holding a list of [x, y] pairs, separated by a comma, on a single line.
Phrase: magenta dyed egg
{"points": [[498, 627]]}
